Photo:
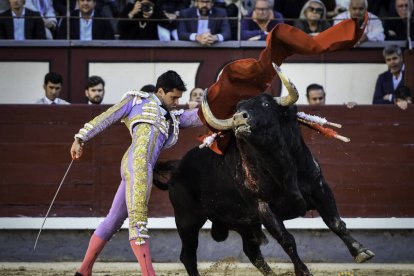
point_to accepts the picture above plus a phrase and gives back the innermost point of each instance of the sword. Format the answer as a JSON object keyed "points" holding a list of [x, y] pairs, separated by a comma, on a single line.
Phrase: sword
{"points": [[51, 204]]}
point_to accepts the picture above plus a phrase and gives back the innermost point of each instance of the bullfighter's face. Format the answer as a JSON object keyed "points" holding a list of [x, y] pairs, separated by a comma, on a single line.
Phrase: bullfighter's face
{"points": [[170, 98]]}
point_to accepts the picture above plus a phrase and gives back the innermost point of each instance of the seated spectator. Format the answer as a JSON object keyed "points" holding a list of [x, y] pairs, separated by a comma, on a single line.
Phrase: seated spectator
{"points": [[169, 11], [260, 21], [403, 97], [356, 9], [20, 23], [312, 19], [46, 10], [52, 87], [196, 95], [206, 24], [95, 90], [396, 29], [315, 94], [136, 26], [86, 24], [389, 81], [290, 9]]}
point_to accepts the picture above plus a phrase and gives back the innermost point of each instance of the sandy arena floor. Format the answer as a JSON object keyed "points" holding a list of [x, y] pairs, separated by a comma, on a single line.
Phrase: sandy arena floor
{"points": [[226, 267]]}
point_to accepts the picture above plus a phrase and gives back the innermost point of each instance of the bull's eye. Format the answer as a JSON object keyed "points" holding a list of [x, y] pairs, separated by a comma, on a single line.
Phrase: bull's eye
{"points": [[265, 104]]}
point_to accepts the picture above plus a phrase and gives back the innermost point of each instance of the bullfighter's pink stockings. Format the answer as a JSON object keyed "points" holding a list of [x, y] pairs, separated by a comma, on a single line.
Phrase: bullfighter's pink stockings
{"points": [[142, 253], [96, 244]]}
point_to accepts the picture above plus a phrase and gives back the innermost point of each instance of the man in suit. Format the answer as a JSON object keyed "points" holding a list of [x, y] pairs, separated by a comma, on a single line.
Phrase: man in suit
{"points": [[19, 23], [206, 24], [389, 81], [85, 24]]}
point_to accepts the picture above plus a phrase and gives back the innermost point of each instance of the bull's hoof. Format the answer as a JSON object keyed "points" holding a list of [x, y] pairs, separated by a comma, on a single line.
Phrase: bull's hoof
{"points": [[364, 256]]}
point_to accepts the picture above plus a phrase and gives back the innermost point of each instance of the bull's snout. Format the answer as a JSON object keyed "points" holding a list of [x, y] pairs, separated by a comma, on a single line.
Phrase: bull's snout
{"points": [[240, 123], [240, 118]]}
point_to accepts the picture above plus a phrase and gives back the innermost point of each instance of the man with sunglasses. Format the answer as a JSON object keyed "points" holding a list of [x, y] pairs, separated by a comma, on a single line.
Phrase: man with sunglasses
{"points": [[396, 29], [374, 30], [204, 23]]}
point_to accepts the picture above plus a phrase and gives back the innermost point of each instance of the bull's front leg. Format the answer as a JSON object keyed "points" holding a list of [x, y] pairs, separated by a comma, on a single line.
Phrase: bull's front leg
{"points": [[324, 201], [277, 229]]}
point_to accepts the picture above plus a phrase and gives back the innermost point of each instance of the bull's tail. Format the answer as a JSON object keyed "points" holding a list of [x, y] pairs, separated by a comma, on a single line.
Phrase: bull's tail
{"points": [[162, 173]]}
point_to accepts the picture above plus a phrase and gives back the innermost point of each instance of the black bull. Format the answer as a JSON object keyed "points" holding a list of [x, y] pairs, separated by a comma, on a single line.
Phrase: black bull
{"points": [[260, 180]]}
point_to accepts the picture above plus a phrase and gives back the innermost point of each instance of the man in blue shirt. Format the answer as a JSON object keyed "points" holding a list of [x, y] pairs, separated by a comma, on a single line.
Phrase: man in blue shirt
{"points": [[83, 25], [19, 23], [206, 24], [390, 80]]}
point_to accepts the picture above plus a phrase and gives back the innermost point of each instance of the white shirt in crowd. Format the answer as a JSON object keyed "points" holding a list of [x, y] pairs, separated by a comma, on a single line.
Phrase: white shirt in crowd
{"points": [[374, 29]]}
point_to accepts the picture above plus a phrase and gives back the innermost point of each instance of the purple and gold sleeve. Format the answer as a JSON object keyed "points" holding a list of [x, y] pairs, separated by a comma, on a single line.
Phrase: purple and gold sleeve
{"points": [[189, 118], [104, 120]]}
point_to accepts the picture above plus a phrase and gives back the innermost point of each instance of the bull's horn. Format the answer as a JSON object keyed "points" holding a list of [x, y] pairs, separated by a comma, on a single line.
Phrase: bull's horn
{"points": [[293, 95], [218, 124]]}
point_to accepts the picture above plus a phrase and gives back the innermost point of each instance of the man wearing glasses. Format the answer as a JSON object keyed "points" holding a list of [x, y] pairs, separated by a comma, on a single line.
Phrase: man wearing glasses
{"points": [[356, 9], [205, 24], [258, 23], [396, 29], [312, 19]]}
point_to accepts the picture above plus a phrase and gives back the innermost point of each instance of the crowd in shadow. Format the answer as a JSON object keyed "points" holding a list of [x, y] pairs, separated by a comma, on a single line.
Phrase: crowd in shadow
{"points": [[203, 21]]}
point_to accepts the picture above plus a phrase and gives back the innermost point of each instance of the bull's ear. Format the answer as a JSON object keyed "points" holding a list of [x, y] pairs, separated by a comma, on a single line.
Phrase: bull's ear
{"points": [[218, 124], [293, 94]]}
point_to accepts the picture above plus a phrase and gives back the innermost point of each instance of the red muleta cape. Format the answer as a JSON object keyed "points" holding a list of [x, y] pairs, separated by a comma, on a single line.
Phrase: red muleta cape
{"points": [[246, 78]]}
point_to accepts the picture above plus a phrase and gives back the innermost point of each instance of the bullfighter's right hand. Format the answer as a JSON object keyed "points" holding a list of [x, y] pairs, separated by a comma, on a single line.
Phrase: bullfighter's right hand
{"points": [[76, 149]]}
